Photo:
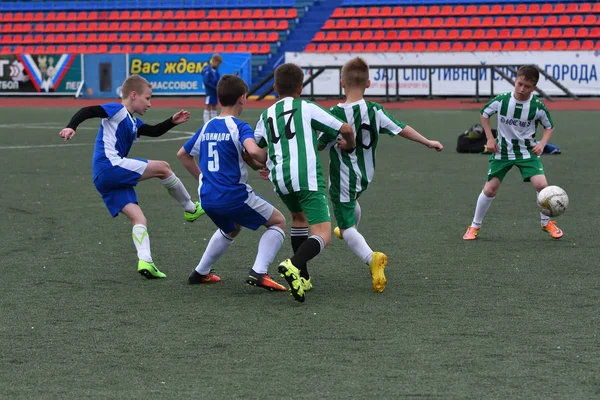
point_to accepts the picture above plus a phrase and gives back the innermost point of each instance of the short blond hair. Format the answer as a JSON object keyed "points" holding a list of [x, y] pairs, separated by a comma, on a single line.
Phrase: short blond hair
{"points": [[355, 73], [134, 83]]}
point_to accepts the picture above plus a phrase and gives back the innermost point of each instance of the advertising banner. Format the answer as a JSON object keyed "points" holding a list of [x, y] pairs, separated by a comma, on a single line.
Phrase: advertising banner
{"points": [[576, 70], [180, 74], [29, 74]]}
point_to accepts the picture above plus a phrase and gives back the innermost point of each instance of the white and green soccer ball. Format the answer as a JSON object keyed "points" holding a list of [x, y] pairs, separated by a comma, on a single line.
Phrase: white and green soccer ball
{"points": [[553, 201]]}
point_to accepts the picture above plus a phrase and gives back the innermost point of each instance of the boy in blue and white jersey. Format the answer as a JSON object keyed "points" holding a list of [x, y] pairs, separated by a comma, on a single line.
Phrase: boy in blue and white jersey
{"points": [[222, 146], [210, 78], [115, 175]]}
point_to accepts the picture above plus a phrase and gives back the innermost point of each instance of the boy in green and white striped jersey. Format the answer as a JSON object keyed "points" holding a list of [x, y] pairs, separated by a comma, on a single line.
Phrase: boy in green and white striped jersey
{"points": [[519, 112], [288, 129], [351, 173]]}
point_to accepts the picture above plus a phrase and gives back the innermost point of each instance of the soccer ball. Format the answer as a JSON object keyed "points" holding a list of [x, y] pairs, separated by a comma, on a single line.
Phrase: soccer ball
{"points": [[553, 201]]}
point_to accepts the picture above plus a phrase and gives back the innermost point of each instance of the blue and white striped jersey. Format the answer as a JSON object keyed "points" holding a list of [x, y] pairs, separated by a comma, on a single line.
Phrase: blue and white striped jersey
{"points": [[115, 137]]}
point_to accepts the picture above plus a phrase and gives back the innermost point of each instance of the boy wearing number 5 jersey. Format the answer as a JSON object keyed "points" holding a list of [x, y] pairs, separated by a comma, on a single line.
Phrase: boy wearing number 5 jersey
{"points": [[222, 145], [351, 173], [288, 129]]}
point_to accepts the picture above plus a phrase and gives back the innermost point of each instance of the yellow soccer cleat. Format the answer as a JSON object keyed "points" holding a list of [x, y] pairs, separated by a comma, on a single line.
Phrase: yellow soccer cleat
{"points": [[377, 267], [291, 274], [306, 284]]}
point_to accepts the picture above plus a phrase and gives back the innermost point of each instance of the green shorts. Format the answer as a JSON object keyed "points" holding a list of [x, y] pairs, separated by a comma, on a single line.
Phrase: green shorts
{"points": [[528, 167], [314, 204], [345, 213]]}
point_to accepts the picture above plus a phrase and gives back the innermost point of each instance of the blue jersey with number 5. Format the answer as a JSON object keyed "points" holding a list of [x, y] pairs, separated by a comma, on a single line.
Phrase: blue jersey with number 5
{"points": [[218, 146]]}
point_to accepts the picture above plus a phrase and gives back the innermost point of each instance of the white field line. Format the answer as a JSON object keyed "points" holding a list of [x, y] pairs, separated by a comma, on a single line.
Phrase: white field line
{"points": [[43, 126]]}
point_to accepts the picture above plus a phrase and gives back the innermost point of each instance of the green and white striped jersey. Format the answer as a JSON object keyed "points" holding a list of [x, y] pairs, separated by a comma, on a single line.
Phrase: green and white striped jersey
{"points": [[289, 131], [351, 173], [517, 122]]}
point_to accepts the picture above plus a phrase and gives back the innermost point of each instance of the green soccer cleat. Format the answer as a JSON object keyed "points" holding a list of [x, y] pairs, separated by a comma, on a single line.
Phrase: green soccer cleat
{"points": [[291, 274], [149, 270], [191, 217]]}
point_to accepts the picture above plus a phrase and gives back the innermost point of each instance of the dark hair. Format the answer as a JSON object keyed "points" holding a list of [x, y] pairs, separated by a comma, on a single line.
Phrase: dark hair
{"points": [[356, 73], [230, 88], [288, 79], [530, 73]]}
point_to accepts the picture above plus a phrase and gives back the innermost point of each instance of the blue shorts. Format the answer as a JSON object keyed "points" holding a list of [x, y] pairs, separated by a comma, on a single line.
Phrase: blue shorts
{"points": [[115, 184], [211, 99], [252, 214]]}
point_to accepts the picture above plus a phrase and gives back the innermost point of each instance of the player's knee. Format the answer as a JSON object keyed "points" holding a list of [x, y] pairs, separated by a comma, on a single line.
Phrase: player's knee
{"points": [[279, 220], [164, 169]]}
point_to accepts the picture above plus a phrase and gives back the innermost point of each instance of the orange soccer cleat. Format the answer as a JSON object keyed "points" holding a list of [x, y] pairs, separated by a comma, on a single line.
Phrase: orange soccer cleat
{"points": [[554, 231], [471, 233]]}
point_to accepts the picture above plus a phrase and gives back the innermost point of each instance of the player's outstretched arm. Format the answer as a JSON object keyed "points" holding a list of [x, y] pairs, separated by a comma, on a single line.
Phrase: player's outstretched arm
{"points": [[163, 127], [80, 116], [411, 134], [491, 144], [255, 152], [189, 163]]}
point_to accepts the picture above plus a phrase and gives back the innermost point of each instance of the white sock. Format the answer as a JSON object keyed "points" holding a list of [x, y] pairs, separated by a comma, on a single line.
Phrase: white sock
{"points": [[544, 219], [213, 113], [483, 205], [357, 211], [217, 246], [179, 192], [358, 245], [141, 240], [268, 247], [206, 116]]}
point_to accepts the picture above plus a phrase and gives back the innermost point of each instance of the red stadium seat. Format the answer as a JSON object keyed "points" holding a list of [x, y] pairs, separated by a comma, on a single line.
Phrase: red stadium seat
{"points": [[585, 8], [554, 33], [576, 20], [496, 46], [395, 47], [521, 9], [349, 12], [574, 45], [432, 46], [548, 45], [446, 11], [533, 9], [559, 8], [383, 47], [470, 46], [371, 47], [508, 9], [546, 8], [509, 45], [587, 45], [483, 46], [582, 33], [408, 46], [420, 46], [471, 10], [522, 45], [560, 45], [456, 46], [334, 48]]}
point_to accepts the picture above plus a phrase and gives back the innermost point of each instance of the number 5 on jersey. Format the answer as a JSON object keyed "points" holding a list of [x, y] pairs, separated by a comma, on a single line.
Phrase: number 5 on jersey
{"points": [[213, 154]]}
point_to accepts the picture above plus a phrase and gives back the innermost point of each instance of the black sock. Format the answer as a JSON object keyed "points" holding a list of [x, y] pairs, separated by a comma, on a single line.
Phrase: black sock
{"points": [[299, 236], [307, 251]]}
